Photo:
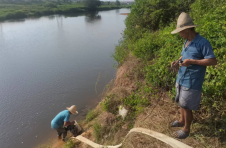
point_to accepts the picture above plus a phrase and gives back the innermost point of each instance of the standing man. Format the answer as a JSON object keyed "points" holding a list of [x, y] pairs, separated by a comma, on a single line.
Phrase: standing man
{"points": [[62, 124], [197, 53]]}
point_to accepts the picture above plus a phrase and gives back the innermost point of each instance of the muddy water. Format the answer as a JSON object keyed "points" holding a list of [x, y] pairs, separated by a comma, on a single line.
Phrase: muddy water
{"points": [[49, 63]]}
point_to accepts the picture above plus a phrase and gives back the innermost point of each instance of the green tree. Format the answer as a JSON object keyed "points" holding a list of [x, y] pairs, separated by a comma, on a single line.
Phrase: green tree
{"points": [[92, 4], [118, 3]]}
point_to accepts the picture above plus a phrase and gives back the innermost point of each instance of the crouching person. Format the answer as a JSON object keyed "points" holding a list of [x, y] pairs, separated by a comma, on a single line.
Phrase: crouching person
{"points": [[62, 124]]}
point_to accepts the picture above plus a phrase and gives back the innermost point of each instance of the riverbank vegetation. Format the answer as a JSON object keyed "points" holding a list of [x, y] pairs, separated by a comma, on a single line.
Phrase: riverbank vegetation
{"points": [[148, 37], [23, 9], [144, 82]]}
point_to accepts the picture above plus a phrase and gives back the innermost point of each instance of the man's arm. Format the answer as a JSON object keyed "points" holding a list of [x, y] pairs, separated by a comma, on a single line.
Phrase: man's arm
{"points": [[208, 55], [69, 123], [203, 62]]}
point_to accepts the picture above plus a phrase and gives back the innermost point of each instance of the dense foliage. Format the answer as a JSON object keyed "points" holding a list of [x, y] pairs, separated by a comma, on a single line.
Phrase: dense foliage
{"points": [[148, 36], [118, 3], [92, 4]]}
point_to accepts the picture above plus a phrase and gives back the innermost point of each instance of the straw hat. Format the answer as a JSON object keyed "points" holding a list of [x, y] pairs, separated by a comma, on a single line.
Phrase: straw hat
{"points": [[72, 109], [184, 21]]}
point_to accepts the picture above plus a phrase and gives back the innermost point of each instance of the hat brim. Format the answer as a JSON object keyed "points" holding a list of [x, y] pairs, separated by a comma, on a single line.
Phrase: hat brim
{"points": [[76, 112], [183, 28]]}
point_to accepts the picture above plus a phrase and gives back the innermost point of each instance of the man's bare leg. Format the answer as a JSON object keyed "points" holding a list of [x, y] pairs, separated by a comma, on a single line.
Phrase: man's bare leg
{"points": [[182, 116], [188, 116]]}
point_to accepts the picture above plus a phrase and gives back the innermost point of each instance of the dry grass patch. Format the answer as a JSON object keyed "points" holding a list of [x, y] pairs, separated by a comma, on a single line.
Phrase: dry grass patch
{"points": [[138, 140]]}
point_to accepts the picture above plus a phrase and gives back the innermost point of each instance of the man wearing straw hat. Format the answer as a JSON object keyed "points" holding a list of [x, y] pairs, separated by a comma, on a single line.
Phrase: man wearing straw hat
{"points": [[62, 124], [197, 53]]}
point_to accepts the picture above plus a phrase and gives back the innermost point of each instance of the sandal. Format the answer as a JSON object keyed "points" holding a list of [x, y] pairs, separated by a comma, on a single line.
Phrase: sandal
{"points": [[181, 134], [177, 124]]}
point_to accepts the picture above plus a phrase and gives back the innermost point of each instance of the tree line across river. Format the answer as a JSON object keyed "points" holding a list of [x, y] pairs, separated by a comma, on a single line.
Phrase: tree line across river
{"points": [[17, 9]]}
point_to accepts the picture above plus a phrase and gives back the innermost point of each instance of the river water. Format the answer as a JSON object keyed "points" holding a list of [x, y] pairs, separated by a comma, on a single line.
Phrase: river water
{"points": [[50, 63]]}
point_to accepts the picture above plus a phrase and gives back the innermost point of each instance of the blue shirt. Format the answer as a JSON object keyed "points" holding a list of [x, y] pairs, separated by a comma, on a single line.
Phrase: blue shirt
{"points": [[192, 76], [58, 121]]}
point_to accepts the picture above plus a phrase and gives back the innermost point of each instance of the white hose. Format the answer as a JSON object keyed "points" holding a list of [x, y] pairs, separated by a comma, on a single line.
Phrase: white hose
{"points": [[166, 139]]}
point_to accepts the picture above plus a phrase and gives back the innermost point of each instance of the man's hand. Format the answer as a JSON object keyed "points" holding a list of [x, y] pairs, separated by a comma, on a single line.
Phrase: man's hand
{"points": [[173, 63], [73, 122], [69, 123], [186, 62]]}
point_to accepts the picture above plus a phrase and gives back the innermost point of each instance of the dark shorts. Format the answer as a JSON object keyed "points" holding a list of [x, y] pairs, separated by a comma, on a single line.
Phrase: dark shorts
{"points": [[188, 98], [63, 131]]}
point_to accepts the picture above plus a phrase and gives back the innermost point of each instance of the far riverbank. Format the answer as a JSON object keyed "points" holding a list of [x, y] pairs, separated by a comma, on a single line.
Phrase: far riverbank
{"points": [[24, 10]]}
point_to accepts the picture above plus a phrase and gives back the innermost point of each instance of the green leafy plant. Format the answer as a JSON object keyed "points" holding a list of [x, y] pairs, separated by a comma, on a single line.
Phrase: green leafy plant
{"points": [[97, 131], [111, 103], [105, 103], [90, 116], [135, 102], [92, 4], [69, 144]]}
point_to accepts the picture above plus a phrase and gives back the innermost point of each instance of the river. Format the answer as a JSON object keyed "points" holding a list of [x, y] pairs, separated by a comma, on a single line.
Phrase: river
{"points": [[50, 63]]}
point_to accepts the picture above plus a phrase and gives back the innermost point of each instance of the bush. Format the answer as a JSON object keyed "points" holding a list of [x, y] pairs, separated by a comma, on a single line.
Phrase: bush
{"points": [[111, 104], [50, 5], [134, 100], [92, 4], [121, 52], [154, 14], [146, 46], [118, 3], [15, 15]]}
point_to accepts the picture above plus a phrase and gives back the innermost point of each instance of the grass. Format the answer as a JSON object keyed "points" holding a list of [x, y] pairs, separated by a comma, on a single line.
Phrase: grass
{"points": [[69, 144], [90, 116], [45, 146], [97, 131]]}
